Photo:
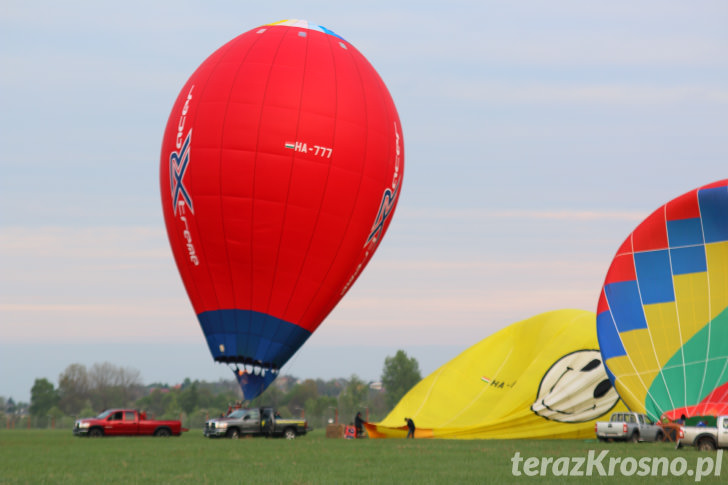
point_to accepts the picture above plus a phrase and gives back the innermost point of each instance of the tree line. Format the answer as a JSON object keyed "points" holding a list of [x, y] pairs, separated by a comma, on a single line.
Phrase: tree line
{"points": [[86, 391]]}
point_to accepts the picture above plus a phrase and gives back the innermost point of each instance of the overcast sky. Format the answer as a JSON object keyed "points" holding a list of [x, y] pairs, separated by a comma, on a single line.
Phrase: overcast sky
{"points": [[538, 134]]}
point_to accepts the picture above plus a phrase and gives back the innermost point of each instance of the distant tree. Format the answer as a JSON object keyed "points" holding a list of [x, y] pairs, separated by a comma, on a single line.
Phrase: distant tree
{"points": [[331, 388], [299, 394], [158, 385], [285, 382], [157, 402], [399, 375], [113, 386], [205, 396], [56, 415], [221, 401], [73, 389], [129, 382], [101, 377], [272, 396], [43, 397], [101, 380], [188, 397], [87, 412], [378, 408], [172, 408], [319, 410], [22, 408], [353, 398]]}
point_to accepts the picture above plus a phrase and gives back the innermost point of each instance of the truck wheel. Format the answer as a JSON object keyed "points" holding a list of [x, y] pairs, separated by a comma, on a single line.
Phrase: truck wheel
{"points": [[162, 433], [95, 433], [233, 434], [706, 444], [635, 438], [289, 433]]}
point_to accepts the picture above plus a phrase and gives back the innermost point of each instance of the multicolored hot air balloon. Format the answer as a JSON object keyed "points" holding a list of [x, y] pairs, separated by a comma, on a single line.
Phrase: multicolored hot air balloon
{"points": [[542, 377], [281, 167], [662, 320]]}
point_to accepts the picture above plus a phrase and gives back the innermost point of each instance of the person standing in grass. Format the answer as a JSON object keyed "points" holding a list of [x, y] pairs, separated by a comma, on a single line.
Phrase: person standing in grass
{"points": [[410, 428], [359, 425]]}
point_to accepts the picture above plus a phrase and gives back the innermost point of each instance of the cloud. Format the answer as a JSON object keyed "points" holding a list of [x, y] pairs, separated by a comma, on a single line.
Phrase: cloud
{"points": [[90, 284], [483, 214], [94, 281], [170, 320], [523, 93], [87, 269], [85, 243]]}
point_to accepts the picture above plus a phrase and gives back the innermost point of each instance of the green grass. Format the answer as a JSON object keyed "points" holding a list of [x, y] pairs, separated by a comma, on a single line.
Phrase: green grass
{"points": [[56, 456]]}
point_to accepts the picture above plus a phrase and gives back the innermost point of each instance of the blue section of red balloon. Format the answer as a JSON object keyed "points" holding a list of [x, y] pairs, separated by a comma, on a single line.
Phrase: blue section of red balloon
{"points": [[263, 340], [253, 384]]}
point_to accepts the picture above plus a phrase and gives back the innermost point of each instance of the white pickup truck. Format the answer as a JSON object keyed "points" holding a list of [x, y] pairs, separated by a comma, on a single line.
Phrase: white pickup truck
{"points": [[705, 438], [628, 426]]}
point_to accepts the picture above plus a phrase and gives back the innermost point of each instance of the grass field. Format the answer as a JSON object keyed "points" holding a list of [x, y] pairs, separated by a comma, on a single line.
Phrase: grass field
{"points": [[56, 456]]}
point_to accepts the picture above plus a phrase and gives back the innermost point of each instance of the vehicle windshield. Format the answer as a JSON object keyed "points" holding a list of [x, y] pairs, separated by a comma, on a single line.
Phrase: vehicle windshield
{"points": [[238, 413], [104, 414]]}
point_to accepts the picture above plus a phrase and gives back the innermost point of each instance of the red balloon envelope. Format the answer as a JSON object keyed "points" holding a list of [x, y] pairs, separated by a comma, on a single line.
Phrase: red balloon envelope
{"points": [[281, 167]]}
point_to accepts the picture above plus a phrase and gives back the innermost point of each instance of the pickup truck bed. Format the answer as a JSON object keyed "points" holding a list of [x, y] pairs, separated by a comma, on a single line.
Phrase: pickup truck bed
{"points": [[711, 433]]}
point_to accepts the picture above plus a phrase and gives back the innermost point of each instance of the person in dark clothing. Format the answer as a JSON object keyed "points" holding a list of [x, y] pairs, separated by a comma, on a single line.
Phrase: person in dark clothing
{"points": [[359, 424], [410, 428]]}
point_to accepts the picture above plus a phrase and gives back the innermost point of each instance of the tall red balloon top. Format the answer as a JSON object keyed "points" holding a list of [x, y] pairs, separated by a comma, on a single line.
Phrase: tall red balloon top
{"points": [[281, 167]]}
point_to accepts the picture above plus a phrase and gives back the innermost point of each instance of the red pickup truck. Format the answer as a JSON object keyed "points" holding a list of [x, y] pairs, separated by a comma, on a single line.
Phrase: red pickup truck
{"points": [[125, 422]]}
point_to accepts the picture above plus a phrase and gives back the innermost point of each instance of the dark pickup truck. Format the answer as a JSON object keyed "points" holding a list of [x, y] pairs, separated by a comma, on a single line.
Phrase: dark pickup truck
{"points": [[255, 422]]}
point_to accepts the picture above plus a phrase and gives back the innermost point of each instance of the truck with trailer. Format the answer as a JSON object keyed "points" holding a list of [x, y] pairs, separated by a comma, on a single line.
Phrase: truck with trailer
{"points": [[255, 422]]}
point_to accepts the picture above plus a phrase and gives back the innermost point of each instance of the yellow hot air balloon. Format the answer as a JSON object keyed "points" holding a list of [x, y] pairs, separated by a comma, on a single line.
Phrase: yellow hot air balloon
{"points": [[542, 377]]}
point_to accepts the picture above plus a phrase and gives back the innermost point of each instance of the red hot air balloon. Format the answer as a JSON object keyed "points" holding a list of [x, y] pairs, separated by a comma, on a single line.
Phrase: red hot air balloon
{"points": [[281, 167]]}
